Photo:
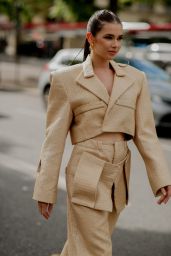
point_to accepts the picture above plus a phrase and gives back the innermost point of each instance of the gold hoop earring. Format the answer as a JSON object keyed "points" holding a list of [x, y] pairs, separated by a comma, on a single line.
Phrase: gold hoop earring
{"points": [[91, 47]]}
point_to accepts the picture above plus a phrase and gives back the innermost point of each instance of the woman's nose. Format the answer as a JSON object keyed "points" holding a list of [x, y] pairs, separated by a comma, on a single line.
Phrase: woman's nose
{"points": [[115, 43]]}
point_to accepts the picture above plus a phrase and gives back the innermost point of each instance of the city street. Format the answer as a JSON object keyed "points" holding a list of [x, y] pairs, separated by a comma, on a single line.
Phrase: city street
{"points": [[144, 227]]}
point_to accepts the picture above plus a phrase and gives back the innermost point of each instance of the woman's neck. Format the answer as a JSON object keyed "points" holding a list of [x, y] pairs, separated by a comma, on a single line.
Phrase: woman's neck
{"points": [[99, 63]]}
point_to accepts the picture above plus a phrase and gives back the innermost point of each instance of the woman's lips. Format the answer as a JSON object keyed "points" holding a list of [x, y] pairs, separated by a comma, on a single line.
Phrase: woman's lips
{"points": [[113, 52]]}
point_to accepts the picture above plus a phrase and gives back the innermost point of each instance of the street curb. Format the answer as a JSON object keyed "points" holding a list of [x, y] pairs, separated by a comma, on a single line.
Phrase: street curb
{"points": [[23, 60], [16, 88], [11, 89]]}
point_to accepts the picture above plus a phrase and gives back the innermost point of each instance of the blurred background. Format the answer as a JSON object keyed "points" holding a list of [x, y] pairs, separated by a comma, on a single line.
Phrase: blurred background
{"points": [[37, 37]]}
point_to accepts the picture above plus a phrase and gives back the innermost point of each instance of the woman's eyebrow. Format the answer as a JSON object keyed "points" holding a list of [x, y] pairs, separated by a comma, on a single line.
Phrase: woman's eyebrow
{"points": [[121, 35]]}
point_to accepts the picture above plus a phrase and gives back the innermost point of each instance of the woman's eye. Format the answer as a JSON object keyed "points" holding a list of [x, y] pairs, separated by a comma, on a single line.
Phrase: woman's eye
{"points": [[108, 37], [111, 37], [120, 38]]}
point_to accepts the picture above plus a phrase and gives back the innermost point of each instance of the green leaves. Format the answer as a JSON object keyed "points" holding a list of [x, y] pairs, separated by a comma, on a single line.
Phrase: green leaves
{"points": [[25, 8], [61, 11]]}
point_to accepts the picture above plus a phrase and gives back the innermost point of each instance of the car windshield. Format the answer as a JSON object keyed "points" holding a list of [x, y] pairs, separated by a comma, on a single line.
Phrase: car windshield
{"points": [[75, 56], [152, 71]]}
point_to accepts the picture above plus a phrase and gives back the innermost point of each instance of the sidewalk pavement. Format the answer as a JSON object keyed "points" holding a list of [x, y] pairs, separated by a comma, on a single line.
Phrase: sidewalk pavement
{"points": [[21, 73]]}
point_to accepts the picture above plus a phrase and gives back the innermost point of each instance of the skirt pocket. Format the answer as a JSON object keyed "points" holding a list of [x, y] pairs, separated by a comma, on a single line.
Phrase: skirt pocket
{"points": [[93, 181], [86, 180]]}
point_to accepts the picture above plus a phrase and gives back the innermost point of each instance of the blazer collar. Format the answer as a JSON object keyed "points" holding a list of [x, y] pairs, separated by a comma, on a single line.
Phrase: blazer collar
{"points": [[89, 72], [89, 80]]}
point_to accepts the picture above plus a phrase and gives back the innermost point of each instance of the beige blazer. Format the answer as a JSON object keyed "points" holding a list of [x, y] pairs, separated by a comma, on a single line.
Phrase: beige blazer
{"points": [[79, 103]]}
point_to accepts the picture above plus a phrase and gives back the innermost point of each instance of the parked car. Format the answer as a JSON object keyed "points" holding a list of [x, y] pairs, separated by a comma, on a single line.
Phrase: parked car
{"points": [[62, 58], [160, 88], [37, 48], [160, 54], [159, 80], [154, 34]]}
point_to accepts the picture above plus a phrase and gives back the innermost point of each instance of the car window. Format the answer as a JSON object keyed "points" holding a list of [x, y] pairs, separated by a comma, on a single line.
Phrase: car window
{"points": [[143, 42], [70, 61], [151, 70], [144, 38]]}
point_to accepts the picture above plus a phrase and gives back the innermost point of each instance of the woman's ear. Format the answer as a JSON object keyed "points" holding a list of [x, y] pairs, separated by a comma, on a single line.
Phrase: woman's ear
{"points": [[90, 38]]}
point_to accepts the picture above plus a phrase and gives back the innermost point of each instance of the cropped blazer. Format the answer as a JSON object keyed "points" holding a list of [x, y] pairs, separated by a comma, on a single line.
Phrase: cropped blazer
{"points": [[79, 102]]}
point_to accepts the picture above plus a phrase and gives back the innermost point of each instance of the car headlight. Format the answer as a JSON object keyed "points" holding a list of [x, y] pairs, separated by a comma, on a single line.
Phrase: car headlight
{"points": [[156, 98]]}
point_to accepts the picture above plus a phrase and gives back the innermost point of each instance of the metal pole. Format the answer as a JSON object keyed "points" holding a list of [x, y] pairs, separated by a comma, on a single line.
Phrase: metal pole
{"points": [[0, 74], [17, 6]]}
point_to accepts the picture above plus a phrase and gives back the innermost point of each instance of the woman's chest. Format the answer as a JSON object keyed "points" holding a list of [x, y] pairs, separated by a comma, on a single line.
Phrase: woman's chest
{"points": [[106, 80], [83, 100]]}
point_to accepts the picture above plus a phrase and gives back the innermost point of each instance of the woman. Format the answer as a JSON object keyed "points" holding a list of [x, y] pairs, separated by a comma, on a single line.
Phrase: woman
{"points": [[103, 104]]}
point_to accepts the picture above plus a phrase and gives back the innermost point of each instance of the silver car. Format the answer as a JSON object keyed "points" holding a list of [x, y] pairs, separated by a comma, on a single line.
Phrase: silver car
{"points": [[159, 81], [61, 59], [160, 88], [160, 54]]}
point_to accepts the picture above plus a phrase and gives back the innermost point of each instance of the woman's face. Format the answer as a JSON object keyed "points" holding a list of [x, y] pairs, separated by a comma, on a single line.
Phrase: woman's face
{"points": [[107, 42]]}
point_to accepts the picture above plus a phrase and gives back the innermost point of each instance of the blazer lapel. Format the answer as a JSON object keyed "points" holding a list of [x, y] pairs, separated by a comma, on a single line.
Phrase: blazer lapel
{"points": [[121, 83], [88, 80]]}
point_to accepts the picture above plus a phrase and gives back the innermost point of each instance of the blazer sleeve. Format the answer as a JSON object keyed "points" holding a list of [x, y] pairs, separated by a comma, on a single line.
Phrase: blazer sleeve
{"points": [[147, 142], [58, 121]]}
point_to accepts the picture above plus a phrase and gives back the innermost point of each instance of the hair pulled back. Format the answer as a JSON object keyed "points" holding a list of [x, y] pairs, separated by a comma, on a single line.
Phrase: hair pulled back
{"points": [[95, 24]]}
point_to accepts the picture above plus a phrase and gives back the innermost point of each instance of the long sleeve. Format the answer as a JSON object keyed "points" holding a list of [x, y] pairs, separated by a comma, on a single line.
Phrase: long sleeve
{"points": [[58, 121], [147, 142]]}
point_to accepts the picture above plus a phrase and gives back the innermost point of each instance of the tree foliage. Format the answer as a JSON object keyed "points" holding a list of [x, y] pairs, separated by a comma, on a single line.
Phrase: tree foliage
{"points": [[61, 11], [25, 8], [82, 9], [67, 10]]}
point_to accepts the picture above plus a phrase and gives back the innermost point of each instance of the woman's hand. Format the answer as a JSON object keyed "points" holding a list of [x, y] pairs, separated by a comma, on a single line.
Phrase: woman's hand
{"points": [[45, 209], [166, 194]]}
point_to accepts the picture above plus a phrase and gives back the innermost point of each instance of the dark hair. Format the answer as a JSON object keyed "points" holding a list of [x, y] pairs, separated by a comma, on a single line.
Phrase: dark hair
{"points": [[95, 24]]}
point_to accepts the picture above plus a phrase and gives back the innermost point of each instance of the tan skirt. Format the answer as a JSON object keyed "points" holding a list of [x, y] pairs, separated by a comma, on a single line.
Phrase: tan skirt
{"points": [[97, 177]]}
